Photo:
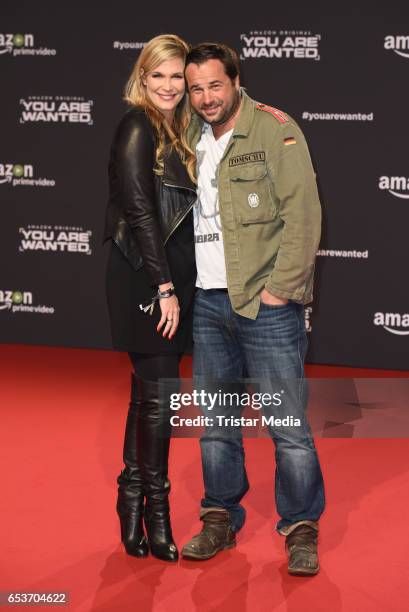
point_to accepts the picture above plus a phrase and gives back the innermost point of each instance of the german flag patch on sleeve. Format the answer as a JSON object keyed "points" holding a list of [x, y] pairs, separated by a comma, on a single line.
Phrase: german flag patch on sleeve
{"points": [[290, 140]]}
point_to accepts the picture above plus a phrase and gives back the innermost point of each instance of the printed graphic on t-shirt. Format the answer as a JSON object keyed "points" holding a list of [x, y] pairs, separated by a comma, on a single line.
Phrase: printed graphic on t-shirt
{"points": [[206, 208], [210, 261]]}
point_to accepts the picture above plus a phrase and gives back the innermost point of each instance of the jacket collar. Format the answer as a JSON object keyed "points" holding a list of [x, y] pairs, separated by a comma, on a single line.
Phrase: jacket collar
{"points": [[246, 115], [174, 171], [243, 123]]}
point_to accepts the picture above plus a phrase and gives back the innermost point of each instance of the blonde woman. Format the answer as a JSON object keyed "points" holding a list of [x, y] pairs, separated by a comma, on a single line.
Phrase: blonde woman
{"points": [[151, 278]]}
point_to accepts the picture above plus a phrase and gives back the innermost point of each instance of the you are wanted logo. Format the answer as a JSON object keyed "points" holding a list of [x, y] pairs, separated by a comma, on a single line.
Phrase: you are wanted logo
{"points": [[22, 44], [280, 44], [393, 322], [22, 175], [397, 186], [21, 301], [56, 109], [398, 44], [56, 239]]}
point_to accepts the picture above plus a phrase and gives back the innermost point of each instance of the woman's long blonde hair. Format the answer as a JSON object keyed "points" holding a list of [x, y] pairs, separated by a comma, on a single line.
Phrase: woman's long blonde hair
{"points": [[158, 50]]}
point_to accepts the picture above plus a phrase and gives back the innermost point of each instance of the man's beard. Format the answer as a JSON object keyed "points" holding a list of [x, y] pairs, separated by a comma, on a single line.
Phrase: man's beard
{"points": [[229, 112]]}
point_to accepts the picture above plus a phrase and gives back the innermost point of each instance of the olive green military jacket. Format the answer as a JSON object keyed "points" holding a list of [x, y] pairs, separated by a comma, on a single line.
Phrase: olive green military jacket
{"points": [[269, 207]]}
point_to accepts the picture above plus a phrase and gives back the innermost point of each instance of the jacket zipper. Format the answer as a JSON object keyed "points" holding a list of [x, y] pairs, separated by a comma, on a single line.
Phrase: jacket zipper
{"points": [[180, 187], [185, 214]]}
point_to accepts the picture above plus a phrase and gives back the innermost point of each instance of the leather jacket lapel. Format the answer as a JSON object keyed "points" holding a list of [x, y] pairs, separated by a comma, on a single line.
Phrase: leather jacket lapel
{"points": [[175, 173]]}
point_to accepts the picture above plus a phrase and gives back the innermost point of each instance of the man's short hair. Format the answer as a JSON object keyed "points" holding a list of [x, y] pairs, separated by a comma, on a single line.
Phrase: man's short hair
{"points": [[207, 51]]}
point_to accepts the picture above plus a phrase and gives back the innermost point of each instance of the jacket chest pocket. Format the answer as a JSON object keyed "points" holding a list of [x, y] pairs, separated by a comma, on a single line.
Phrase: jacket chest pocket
{"points": [[252, 194]]}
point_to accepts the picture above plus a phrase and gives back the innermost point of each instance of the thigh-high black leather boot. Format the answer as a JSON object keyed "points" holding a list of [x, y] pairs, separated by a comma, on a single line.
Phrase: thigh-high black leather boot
{"points": [[130, 504], [153, 438]]}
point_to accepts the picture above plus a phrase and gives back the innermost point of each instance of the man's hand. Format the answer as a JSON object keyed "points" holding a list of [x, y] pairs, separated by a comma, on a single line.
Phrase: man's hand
{"points": [[272, 300]]}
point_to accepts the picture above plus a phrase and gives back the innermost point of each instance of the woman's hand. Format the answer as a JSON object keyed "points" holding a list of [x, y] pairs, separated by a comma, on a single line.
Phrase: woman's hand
{"points": [[170, 313]]}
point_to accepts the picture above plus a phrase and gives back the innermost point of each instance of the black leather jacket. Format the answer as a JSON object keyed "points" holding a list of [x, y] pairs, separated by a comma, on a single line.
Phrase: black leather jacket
{"points": [[144, 209]]}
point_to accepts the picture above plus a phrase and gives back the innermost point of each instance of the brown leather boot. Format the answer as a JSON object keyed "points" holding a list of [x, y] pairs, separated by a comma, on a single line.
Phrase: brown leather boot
{"points": [[301, 547], [216, 535]]}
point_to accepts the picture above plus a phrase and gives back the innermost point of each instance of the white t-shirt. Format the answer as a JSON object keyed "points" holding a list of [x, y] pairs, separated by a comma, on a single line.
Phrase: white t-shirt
{"points": [[209, 250]]}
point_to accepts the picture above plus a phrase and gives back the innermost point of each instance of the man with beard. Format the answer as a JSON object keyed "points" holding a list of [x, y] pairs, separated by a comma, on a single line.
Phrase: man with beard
{"points": [[257, 228]]}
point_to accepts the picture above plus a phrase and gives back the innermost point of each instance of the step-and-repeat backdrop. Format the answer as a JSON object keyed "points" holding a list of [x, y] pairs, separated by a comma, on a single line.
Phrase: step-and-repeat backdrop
{"points": [[345, 80]]}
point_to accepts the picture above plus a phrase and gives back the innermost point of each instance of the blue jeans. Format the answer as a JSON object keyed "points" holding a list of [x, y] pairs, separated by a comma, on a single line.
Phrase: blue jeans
{"points": [[270, 349]]}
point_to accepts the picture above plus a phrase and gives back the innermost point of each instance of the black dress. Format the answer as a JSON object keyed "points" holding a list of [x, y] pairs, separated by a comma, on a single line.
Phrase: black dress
{"points": [[149, 225], [134, 330]]}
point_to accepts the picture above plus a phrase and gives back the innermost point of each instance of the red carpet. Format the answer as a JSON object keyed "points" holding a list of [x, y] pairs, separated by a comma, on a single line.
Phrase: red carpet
{"points": [[63, 413]]}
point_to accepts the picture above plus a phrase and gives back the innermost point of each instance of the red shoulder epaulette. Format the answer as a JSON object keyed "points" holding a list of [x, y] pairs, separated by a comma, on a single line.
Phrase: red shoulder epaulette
{"points": [[279, 115]]}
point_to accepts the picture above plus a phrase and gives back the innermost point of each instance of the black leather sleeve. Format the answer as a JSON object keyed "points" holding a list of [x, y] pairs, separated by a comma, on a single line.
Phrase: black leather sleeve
{"points": [[134, 150]]}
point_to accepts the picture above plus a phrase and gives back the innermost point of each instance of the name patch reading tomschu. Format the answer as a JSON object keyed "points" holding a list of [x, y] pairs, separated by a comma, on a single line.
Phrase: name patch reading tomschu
{"points": [[247, 158]]}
